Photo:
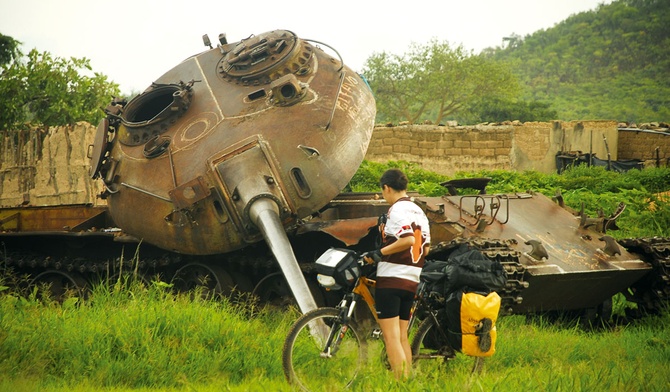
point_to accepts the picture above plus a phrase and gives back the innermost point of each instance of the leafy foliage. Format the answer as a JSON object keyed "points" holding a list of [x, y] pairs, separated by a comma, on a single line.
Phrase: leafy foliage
{"points": [[423, 181], [9, 49], [49, 91], [434, 79], [605, 64], [497, 110], [610, 63]]}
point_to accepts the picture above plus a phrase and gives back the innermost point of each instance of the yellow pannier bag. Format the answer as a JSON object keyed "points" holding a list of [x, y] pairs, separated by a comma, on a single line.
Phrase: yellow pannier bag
{"points": [[471, 322], [475, 308]]}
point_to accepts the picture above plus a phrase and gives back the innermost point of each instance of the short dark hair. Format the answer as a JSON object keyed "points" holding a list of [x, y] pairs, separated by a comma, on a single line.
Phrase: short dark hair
{"points": [[394, 178]]}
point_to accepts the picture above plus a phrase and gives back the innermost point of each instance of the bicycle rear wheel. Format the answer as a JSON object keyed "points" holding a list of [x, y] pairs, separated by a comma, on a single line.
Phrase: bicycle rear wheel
{"points": [[313, 361], [429, 343]]}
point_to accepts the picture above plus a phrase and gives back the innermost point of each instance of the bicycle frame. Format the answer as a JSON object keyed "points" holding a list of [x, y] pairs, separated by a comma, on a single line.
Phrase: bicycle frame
{"points": [[340, 336], [362, 290], [347, 307]]}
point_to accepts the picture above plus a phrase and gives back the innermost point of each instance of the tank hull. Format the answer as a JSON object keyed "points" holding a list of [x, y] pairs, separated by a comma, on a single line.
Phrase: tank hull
{"points": [[226, 172], [553, 261]]}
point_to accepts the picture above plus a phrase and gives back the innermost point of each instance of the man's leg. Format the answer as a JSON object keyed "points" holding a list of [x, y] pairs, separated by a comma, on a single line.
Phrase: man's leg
{"points": [[394, 348]]}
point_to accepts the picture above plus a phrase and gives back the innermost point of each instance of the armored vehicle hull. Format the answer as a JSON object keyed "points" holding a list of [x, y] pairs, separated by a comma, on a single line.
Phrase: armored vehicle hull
{"points": [[225, 174]]}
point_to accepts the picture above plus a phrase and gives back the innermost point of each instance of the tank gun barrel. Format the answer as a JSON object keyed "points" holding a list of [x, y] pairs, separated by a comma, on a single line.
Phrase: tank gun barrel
{"points": [[265, 215], [239, 157]]}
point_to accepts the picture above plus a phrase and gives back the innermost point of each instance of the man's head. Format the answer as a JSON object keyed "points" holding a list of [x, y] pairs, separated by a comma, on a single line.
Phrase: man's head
{"points": [[395, 179]]}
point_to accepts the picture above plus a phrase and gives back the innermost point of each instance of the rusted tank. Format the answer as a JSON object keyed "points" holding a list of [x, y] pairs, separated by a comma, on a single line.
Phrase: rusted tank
{"points": [[235, 145], [557, 260], [226, 174]]}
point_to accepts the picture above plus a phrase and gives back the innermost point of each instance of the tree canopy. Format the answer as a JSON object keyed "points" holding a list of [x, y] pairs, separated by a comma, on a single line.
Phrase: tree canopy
{"points": [[433, 81], [9, 49], [611, 63], [43, 90]]}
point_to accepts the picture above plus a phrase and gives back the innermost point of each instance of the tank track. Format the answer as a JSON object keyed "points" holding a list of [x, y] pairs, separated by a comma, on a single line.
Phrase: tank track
{"points": [[501, 251], [84, 264], [652, 292], [32, 264], [31, 261]]}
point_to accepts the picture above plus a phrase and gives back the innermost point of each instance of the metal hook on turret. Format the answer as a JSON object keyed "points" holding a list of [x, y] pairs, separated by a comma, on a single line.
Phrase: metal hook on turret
{"points": [[611, 246], [538, 251]]}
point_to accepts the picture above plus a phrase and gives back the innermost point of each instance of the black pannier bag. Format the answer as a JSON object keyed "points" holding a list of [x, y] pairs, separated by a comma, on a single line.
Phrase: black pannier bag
{"points": [[465, 267], [468, 281], [434, 275], [468, 267], [337, 268]]}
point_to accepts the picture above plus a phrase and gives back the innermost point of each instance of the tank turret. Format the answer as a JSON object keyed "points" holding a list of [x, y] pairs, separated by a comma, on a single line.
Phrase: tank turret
{"points": [[234, 145]]}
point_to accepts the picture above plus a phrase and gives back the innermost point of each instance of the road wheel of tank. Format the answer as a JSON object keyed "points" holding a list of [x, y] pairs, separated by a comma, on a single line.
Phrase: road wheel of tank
{"points": [[207, 279], [126, 278], [243, 283], [598, 316], [603, 313], [274, 289], [60, 284]]}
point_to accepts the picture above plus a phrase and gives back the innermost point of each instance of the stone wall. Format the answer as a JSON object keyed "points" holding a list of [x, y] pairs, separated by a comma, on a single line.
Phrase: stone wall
{"points": [[642, 144], [527, 146], [39, 168], [52, 168]]}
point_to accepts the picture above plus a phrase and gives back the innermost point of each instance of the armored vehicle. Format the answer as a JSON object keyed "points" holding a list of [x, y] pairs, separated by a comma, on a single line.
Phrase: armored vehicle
{"points": [[226, 173]]}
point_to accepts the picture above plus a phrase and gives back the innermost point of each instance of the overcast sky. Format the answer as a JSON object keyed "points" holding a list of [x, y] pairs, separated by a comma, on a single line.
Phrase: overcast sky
{"points": [[134, 42]]}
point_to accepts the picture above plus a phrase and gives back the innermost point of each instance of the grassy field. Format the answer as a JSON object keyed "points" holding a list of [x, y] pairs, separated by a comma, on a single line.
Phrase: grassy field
{"points": [[137, 338], [148, 339]]}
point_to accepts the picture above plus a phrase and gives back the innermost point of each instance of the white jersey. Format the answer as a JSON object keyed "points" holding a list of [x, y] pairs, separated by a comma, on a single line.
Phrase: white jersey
{"points": [[402, 270]]}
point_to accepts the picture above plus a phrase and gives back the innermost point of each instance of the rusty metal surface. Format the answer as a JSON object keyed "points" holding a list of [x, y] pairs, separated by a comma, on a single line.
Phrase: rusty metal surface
{"points": [[565, 265], [571, 268], [255, 139], [349, 231], [271, 116], [50, 218]]}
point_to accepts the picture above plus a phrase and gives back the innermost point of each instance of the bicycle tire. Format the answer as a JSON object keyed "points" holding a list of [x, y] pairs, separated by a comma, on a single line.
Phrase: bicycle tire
{"points": [[437, 349], [302, 359]]}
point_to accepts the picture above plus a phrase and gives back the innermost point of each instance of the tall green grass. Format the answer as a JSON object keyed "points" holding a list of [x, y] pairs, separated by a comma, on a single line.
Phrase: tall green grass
{"points": [[138, 338], [133, 337], [149, 339]]}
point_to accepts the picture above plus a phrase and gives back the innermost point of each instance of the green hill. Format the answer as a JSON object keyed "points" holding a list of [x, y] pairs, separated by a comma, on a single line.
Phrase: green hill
{"points": [[610, 63]]}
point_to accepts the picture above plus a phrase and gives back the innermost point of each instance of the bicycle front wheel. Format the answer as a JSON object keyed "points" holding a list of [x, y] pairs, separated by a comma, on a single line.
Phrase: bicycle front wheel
{"points": [[321, 353]]}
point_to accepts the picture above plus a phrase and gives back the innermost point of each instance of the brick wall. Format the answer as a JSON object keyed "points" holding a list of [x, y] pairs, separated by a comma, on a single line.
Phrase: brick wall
{"points": [[528, 146], [643, 144], [53, 168]]}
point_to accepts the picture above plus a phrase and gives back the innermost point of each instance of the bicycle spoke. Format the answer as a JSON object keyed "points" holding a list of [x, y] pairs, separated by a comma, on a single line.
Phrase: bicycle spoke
{"points": [[428, 343], [309, 366]]}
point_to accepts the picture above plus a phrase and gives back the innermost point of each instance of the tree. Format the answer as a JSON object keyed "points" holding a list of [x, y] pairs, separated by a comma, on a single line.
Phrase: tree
{"points": [[496, 110], [9, 50], [50, 91], [435, 79], [611, 63]]}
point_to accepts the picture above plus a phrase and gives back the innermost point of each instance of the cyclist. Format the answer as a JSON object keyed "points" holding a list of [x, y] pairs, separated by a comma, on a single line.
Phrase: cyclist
{"points": [[405, 239]]}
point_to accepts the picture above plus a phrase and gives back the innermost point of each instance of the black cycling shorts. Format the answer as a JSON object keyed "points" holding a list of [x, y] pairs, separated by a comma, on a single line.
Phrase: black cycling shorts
{"points": [[393, 302]]}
